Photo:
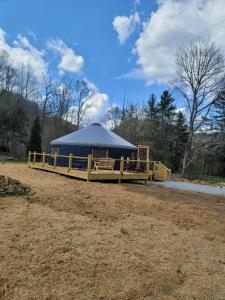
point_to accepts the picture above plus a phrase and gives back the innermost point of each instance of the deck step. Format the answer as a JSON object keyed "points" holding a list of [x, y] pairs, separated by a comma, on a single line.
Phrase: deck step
{"points": [[161, 172]]}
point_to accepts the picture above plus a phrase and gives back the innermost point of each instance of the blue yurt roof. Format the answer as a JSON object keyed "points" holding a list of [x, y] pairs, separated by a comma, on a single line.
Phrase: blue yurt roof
{"points": [[94, 135]]}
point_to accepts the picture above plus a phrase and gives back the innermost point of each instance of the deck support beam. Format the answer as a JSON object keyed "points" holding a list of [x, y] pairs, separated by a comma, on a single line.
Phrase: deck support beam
{"points": [[121, 168], [89, 167], [55, 159], [29, 157], [70, 162], [34, 158], [43, 158]]}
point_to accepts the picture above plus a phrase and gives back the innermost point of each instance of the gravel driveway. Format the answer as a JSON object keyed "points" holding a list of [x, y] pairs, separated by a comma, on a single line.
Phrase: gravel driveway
{"points": [[194, 187]]}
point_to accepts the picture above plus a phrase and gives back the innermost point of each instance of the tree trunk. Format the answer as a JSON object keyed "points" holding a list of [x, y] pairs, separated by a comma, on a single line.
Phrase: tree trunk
{"points": [[187, 152], [185, 159]]}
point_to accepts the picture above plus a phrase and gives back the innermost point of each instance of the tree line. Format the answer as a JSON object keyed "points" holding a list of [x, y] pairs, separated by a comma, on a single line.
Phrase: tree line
{"points": [[190, 143], [159, 123], [190, 140], [45, 107]]}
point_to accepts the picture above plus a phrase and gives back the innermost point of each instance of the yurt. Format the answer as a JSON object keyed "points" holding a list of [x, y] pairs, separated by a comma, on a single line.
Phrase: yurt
{"points": [[93, 139]]}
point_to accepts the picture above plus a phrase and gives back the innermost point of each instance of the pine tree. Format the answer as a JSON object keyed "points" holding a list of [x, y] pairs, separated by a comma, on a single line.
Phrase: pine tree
{"points": [[165, 128], [150, 108], [181, 136], [166, 108], [35, 137]]}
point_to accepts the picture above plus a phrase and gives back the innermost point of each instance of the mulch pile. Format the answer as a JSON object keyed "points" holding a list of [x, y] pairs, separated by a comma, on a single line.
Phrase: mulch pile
{"points": [[9, 186]]}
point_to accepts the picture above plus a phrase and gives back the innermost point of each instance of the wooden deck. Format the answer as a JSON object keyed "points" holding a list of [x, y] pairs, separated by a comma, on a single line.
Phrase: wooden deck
{"points": [[41, 161], [101, 175]]}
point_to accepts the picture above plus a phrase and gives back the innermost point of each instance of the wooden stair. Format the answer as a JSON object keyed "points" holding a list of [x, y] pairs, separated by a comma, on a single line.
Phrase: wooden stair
{"points": [[161, 172]]}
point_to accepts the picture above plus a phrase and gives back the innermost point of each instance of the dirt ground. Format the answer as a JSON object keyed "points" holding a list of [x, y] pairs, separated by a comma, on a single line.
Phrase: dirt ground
{"points": [[75, 240]]}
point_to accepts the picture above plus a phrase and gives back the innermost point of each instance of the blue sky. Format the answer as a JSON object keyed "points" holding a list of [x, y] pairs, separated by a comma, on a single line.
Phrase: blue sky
{"points": [[85, 26], [121, 46]]}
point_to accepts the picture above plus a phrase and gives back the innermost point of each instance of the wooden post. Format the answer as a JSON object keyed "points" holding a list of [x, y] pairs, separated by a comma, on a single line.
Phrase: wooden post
{"points": [[70, 161], [147, 170], [34, 159], [138, 157], [29, 156], [55, 158], [121, 168], [148, 153], [43, 158], [89, 167], [148, 167]]}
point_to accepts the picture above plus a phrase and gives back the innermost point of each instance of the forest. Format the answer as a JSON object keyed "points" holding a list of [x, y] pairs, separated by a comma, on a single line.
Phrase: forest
{"points": [[189, 139]]}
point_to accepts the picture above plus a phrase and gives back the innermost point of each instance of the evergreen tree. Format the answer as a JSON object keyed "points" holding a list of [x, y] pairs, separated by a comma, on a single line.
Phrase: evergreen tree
{"points": [[166, 108], [150, 108], [180, 139], [35, 137], [165, 128]]}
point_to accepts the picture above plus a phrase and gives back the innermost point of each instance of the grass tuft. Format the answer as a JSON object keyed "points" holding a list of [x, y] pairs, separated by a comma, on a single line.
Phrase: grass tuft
{"points": [[124, 231]]}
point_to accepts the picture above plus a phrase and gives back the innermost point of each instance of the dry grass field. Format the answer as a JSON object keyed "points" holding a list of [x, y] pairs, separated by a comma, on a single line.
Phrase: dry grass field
{"points": [[75, 240]]}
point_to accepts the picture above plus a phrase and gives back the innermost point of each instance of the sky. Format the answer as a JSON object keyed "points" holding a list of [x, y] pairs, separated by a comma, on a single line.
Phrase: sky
{"points": [[121, 47]]}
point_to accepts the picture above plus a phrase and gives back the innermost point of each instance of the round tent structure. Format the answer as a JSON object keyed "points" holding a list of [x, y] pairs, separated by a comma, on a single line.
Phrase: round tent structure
{"points": [[93, 139]]}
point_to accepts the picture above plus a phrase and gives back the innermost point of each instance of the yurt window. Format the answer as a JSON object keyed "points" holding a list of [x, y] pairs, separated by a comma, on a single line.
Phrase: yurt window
{"points": [[99, 152]]}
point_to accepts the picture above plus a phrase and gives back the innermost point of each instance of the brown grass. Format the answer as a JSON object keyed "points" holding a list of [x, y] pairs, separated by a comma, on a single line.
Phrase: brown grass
{"points": [[78, 240]]}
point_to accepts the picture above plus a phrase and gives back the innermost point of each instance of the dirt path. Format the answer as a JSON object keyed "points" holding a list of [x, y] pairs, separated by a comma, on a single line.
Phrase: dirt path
{"points": [[78, 240]]}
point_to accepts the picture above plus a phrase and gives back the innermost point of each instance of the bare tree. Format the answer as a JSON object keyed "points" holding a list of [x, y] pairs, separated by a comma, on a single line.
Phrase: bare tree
{"points": [[9, 79], [62, 99], [4, 62], [199, 79], [113, 116], [27, 83], [46, 99], [81, 103]]}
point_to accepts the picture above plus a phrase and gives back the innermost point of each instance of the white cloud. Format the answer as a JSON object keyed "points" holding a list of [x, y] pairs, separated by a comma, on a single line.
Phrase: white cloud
{"points": [[98, 107], [98, 103], [31, 33], [21, 52], [70, 61], [91, 85], [135, 74], [180, 109], [172, 24], [125, 26]]}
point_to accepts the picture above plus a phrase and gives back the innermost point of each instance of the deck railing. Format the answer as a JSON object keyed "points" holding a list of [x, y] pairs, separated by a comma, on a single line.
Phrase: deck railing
{"points": [[86, 164]]}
